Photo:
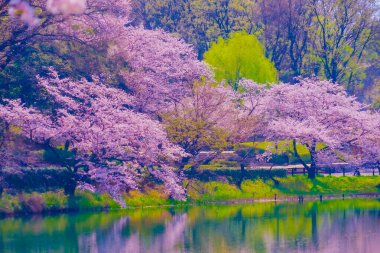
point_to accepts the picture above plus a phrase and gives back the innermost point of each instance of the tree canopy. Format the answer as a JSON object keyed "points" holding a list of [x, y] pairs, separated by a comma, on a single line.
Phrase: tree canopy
{"points": [[119, 105], [240, 56]]}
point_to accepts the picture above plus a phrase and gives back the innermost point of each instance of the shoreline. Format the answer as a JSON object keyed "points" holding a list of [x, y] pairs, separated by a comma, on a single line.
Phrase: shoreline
{"points": [[289, 189], [289, 199], [300, 198]]}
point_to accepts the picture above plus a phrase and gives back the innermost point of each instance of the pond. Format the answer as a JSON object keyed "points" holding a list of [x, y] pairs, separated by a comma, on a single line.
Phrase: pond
{"points": [[351, 225]]}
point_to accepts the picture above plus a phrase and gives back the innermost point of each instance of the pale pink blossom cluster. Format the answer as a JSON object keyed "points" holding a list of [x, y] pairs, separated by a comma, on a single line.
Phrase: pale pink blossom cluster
{"points": [[66, 7], [86, 14], [35, 125], [364, 150], [211, 103], [100, 25], [22, 10], [161, 68]]}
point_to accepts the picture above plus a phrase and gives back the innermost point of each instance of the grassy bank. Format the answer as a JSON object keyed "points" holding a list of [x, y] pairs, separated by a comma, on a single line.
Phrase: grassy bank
{"points": [[198, 192], [51, 202], [288, 186]]}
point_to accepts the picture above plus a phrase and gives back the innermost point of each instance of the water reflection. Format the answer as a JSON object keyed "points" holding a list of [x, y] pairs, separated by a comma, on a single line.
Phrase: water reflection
{"points": [[330, 226]]}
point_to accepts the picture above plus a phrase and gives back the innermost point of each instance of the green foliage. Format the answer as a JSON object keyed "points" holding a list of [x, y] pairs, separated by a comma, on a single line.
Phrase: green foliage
{"points": [[218, 191], [240, 56], [198, 192], [259, 188], [89, 201], [70, 59], [9, 204], [328, 185], [54, 202], [212, 191], [289, 186], [199, 22], [195, 134]]}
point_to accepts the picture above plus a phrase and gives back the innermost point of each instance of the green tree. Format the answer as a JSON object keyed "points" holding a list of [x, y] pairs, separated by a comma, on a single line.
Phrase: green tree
{"points": [[340, 36], [199, 22], [240, 56], [207, 120]]}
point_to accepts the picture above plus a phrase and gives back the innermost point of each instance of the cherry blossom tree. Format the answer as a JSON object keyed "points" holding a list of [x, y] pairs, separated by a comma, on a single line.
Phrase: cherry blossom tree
{"points": [[213, 119], [92, 129], [158, 68], [59, 20], [208, 120], [364, 151], [160, 72], [25, 11], [313, 112], [161, 67], [3, 153], [67, 7], [250, 95]]}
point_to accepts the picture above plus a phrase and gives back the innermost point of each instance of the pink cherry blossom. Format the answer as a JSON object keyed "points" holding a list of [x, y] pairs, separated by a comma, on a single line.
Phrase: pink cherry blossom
{"points": [[161, 67], [66, 7], [94, 122], [22, 10], [313, 112]]}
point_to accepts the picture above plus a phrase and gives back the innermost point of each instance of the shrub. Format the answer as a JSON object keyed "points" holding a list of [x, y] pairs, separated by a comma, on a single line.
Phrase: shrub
{"points": [[216, 191], [150, 197], [55, 200], [85, 200], [259, 188], [9, 204], [108, 202], [31, 203]]}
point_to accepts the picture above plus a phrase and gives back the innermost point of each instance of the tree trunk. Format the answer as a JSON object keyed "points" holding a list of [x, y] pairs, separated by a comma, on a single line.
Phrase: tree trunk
{"points": [[311, 172], [275, 181], [193, 170], [1, 183], [184, 161], [242, 175], [310, 169], [70, 186]]}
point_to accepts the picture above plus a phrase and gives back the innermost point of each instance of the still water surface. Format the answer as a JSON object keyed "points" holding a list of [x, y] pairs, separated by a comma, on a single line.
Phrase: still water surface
{"points": [[331, 226]]}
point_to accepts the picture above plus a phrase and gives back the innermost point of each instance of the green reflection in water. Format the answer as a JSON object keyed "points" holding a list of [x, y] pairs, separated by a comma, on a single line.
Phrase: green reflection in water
{"points": [[331, 226]]}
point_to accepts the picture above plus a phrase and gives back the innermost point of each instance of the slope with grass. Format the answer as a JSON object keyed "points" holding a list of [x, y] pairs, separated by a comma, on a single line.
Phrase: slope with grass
{"points": [[199, 193]]}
